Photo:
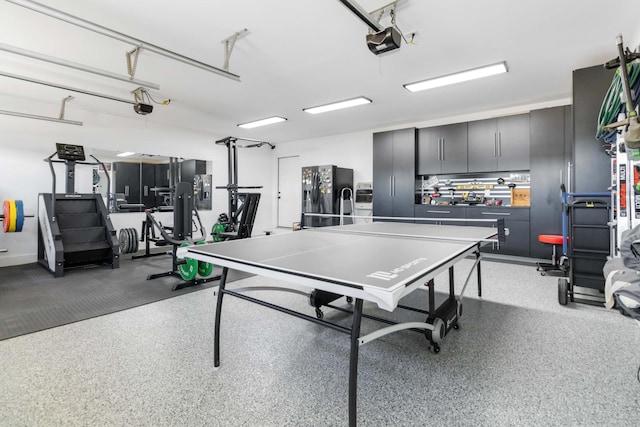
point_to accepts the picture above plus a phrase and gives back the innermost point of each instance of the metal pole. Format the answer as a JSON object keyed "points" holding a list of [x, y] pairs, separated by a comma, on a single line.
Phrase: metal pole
{"points": [[361, 13], [74, 20], [74, 65], [59, 86], [33, 116]]}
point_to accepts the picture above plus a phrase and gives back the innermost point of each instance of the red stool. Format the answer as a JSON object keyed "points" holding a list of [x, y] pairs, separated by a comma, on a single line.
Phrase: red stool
{"points": [[554, 240]]}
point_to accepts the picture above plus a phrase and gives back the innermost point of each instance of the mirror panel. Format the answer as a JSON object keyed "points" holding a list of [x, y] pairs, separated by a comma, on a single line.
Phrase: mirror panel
{"points": [[143, 181]]}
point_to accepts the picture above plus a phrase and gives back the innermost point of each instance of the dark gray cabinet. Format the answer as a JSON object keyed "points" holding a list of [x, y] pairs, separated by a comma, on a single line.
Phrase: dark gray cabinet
{"points": [[127, 181], [548, 138], [441, 212], [442, 149], [515, 219], [394, 158], [500, 144]]}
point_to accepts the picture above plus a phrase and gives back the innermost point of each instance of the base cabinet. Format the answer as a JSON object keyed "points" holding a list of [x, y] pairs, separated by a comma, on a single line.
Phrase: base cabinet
{"points": [[516, 220]]}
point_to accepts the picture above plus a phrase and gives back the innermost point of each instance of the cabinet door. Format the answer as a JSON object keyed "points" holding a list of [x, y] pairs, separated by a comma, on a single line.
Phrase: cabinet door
{"points": [[429, 147], [453, 153], [127, 180], [148, 197], [382, 173], [483, 146], [513, 143], [404, 175]]}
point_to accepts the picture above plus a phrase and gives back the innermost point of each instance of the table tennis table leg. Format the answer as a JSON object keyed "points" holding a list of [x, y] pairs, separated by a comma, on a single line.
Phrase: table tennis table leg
{"points": [[479, 275], [353, 362], [216, 336]]}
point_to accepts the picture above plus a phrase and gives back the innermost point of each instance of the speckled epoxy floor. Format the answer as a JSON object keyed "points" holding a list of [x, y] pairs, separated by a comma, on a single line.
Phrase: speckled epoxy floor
{"points": [[518, 359]]}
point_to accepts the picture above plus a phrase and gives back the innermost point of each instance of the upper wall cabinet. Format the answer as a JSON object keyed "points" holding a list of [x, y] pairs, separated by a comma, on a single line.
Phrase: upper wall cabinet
{"points": [[500, 144], [442, 149]]}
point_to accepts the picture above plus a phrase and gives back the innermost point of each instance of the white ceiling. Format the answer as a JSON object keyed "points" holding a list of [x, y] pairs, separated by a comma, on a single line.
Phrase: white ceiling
{"points": [[302, 53]]}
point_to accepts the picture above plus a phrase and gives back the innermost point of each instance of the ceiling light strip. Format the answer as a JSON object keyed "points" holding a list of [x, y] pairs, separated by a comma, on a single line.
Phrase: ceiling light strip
{"points": [[33, 116], [74, 20], [262, 122], [347, 103], [459, 77]]}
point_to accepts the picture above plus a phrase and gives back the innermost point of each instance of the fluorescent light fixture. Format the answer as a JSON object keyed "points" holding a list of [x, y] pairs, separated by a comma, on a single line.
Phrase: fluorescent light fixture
{"points": [[462, 76], [263, 122], [125, 154], [361, 100]]}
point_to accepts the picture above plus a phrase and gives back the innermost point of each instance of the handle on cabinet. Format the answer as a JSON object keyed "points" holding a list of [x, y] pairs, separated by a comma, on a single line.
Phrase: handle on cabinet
{"points": [[495, 144], [499, 144], [391, 186], [442, 150], [496, 213], [439, 149], [444, 212]]}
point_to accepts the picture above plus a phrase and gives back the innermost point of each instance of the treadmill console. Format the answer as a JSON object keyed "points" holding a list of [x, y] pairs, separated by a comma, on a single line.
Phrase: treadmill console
{"points": [[70, 152]]}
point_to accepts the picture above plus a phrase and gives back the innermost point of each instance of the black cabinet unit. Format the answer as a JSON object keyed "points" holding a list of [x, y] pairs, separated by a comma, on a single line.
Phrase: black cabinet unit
{"points": [[445, 213], [548, 138], [127, 181], [500, 144], [515, 219], [591, 165], [442, 149], [394, 158]]}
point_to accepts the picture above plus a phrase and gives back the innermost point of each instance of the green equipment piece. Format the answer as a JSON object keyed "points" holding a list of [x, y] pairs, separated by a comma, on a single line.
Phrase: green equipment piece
{"points": [[204, 268], [187, 267]]}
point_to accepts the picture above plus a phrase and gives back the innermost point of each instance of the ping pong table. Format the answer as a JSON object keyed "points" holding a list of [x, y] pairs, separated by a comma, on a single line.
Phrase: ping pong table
{"points": [[378, 262]]}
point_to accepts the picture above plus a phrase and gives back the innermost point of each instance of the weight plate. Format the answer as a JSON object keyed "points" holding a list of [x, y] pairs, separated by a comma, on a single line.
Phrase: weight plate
{"points": [[122, 241], [129, 245], [189, 269], [12, 216], [125, 241], [19, 215], [216, 230], [136, 240], [6, 215], [204, 268], [132, 242]]}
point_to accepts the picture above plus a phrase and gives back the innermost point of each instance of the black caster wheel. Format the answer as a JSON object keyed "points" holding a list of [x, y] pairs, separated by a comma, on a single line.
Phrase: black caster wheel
{"points": [[543, 273], [349, 300], [435, 348], [319, 313], [456, 326]]}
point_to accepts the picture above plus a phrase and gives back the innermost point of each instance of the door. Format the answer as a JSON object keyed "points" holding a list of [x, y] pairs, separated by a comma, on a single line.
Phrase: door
{"points": [[453, 151], [483, 146], [289, 191], [404, 177], [513, 143], [382, 173], [429, 148]]}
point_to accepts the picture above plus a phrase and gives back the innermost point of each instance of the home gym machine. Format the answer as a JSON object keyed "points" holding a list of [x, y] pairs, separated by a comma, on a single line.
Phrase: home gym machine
{"points": [[181, 234], [238, 224], [74, 229]]}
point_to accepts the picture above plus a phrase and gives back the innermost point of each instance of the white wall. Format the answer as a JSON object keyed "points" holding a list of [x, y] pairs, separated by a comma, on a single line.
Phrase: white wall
{"points": [[635, 40], [24, 143]]}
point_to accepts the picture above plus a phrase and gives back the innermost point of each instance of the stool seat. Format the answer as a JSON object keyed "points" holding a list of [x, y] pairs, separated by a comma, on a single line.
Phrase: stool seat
{"points": [[552, 239]]}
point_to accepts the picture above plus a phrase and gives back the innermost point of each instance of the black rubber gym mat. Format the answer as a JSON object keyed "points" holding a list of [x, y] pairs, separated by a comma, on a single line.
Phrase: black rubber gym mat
{"points": [[31, 299]]}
